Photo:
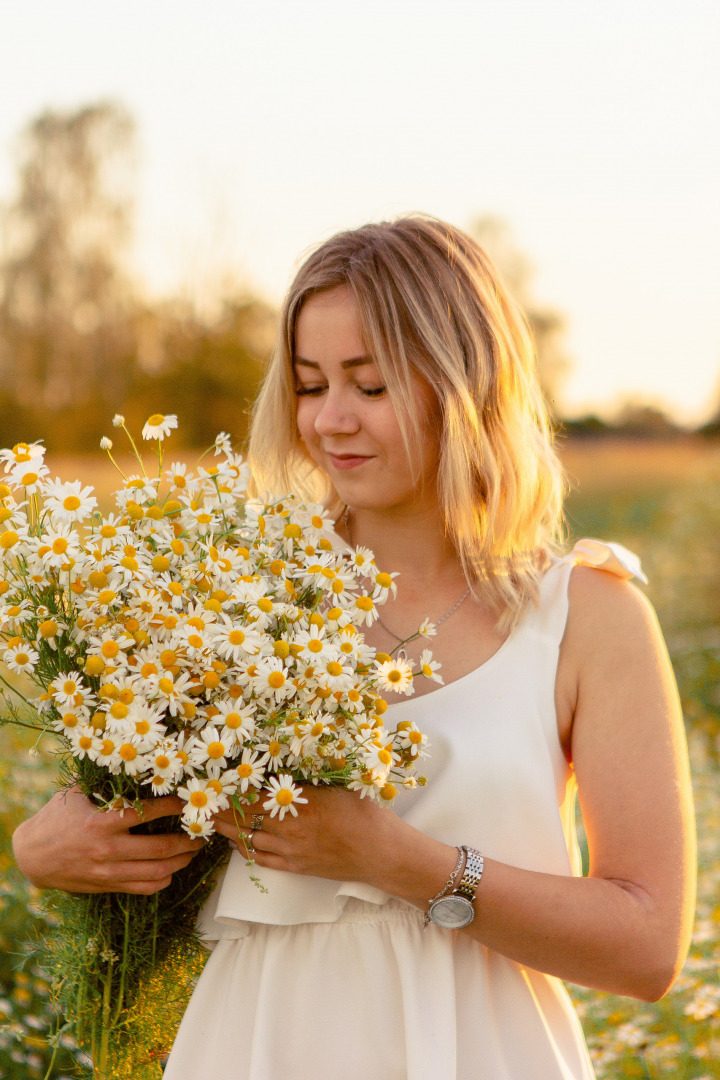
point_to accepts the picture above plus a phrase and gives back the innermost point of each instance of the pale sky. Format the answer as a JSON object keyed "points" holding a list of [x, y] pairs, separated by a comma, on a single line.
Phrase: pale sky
{"points": [[593, 129]]}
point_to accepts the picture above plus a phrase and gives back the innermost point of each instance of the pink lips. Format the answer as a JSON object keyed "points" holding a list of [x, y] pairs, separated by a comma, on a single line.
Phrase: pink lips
{"points": [[347, 461]]}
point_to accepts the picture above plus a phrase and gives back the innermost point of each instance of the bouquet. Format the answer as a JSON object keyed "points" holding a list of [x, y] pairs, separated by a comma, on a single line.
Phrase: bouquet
{"points": [[193, 642]]}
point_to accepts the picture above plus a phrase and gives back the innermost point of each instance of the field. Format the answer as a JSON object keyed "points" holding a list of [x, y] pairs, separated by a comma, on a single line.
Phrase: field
{"points": [[664, 503]]}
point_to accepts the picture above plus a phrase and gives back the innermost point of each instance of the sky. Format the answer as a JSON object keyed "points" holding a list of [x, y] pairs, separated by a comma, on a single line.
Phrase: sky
{"points": [[263, 128]]}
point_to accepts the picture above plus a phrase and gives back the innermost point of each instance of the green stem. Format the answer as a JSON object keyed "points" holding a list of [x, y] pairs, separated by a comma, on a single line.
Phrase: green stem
{"points": [[136, 452], [18, 692], [101, 1066], [126, 946]]}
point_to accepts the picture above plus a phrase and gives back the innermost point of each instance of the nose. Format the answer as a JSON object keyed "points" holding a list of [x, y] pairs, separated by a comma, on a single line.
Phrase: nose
{"points": [[336, 414]]}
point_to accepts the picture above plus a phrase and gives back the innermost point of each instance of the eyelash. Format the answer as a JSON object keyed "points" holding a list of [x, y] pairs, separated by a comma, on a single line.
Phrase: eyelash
{"points": [[313, 391]]}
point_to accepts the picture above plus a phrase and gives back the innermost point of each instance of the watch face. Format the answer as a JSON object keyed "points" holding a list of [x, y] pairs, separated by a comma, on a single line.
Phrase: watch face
{"points": [[452, 912]]}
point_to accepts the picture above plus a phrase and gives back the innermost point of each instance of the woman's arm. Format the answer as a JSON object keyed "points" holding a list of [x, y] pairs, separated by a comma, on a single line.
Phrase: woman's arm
{"points": [[70, 844], [626, 927]]}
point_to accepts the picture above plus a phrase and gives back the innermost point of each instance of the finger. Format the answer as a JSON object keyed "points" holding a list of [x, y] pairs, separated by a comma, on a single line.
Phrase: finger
{"points": [[162, 846], [118, 875], [162, 806]]}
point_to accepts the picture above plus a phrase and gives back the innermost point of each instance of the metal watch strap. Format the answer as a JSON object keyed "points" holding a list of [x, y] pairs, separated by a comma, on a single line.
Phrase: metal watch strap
{"points": [[473, 872]]}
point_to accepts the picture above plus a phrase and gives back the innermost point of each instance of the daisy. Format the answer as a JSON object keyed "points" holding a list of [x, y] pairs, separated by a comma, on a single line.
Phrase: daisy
{"points": [[105, 752], [158, 426], [214, 748], [283, 796], [134, 763], [82, 740], [68, 689], [395, 675], [21, 658], [29, 475], [250, 770], [231, 640], [277, 752], [238, 721], [271, 680], [201, 800], [69, 502], [22, 452], [198, 827], [429, 667]]}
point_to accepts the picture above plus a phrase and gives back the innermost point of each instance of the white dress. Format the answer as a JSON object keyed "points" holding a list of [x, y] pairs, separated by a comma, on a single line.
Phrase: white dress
{"points": [[323, 980]]}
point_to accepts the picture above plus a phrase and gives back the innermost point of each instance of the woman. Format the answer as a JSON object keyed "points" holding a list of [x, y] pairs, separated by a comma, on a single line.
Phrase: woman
{"points": [[428, 942]]}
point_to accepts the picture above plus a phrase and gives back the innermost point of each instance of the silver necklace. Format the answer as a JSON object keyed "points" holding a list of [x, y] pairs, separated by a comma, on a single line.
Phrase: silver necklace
{"points": [[453, 609]]}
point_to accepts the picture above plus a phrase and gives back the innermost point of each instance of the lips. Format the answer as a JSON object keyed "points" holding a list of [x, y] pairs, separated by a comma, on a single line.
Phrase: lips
{"points": [[348, 461]]}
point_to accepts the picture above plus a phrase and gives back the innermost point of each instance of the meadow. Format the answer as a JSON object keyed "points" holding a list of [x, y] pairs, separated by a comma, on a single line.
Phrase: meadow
{"points": [[662, 501]]}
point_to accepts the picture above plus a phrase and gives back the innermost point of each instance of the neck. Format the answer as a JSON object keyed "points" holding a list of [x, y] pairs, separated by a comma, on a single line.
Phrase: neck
{"points": [[413, 544]]}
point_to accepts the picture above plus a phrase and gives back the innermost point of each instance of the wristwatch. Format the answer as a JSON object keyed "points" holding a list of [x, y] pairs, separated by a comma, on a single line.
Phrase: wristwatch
{"points": [[457, 908]]}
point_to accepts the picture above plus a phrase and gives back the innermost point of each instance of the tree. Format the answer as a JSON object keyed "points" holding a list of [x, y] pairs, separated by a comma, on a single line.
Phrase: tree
{"points": [[547, 324], [65, 305]]}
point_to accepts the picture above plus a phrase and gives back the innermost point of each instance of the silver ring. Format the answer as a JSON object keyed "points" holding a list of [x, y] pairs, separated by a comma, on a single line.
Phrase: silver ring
{"points": [[256, 822]]}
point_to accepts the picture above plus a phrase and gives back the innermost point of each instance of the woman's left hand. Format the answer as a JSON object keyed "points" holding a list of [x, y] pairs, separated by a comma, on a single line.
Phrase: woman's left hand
{"points": [[335, 835]]}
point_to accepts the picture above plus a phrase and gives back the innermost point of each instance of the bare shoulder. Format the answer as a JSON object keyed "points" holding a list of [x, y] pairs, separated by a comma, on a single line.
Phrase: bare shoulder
{"points": [[612, 642], [602, 603]]}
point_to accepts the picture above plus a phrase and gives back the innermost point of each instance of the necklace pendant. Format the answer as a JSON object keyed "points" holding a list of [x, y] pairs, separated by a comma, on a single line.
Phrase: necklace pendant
{"points": [[402, 654]]}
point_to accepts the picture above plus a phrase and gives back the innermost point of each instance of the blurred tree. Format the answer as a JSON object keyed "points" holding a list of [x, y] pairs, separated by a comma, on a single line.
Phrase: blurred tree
{"points": [[547, 324], [66, 321]]}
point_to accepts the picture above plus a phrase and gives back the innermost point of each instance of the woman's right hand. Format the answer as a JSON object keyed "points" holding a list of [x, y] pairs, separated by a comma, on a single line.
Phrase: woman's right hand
{"points": [[71, 844]]}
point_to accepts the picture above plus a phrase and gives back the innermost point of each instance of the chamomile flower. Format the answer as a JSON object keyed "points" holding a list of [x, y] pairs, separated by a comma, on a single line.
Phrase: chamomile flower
{"points": [[249, 771], [22, 453], [284, 796], [213, 748], [21, 658], [68, 689], [271, 680], [158, 426], [201, 800], [395, 675], [429, 667], [69, 502], [223, 444], [231, 640], [29, 475], [238, 721]]}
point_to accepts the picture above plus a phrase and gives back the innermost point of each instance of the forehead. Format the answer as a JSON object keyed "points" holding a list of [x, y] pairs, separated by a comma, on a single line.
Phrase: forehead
{"points": [[327, 327]]}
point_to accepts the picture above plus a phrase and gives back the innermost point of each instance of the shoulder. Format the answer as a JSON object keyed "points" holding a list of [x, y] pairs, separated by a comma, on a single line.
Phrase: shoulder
{"points": [[607, 608], [612, 640]]}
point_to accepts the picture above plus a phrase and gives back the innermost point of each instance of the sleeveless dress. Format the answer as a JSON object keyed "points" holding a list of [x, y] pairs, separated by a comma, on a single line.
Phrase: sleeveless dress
{"points": [[327, 980]]}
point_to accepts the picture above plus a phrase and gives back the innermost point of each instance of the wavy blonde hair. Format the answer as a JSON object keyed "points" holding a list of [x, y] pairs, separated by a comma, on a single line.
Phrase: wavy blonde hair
{"points": [[429, 301]]}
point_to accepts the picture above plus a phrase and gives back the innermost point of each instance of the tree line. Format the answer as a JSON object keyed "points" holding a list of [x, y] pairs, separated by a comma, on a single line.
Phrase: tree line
{"points": [[78, 339]]}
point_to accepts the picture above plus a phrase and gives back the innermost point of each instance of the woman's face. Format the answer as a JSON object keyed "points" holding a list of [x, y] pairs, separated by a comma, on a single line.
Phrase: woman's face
{"points": [[345, 416]]}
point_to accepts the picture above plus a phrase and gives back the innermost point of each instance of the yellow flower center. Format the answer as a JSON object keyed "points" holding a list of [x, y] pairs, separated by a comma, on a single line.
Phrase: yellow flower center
{"points": [[334, 668], [276, 679], [284, 797], [244, 771], [109, 649], [198, 798], [156, 419], [72, 502], [265, 604], [236, 637], [394, 675], [59, 545], [162, 762], [128, 752], [215, 750], [315, 645], [166, 686]]}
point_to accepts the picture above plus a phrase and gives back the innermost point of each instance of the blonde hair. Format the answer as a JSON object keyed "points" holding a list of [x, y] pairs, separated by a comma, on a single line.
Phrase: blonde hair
{"points": [[429, 301]]}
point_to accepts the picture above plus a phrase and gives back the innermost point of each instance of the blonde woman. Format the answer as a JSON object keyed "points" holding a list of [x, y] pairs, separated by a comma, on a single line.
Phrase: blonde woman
{"points": [[427, 942]]}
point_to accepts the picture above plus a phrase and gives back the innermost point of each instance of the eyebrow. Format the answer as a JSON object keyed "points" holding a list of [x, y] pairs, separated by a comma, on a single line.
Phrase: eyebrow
{"points": [[353, 362]]}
